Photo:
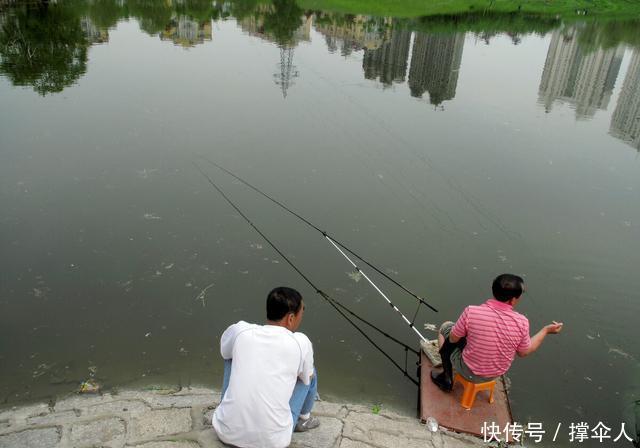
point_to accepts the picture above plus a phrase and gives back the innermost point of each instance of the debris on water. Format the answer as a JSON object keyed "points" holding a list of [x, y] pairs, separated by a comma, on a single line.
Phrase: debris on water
{"points": [[587, 378], [89, 387], [42, 369], [627, 223], [244, 272], [158, 274], [146, 335], [475, 268], [169, 266], [152, 216], [203, 294], [275, 261], [431, 327], [578, 277], [257, 246], [182, 351], [188, 284], [144, 173], [590, 337], [502, 258], [356, 276], [618, 351], [92, 370]]}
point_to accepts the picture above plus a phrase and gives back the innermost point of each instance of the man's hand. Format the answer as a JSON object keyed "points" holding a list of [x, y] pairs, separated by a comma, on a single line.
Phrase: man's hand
{"points": [[554, 328]]}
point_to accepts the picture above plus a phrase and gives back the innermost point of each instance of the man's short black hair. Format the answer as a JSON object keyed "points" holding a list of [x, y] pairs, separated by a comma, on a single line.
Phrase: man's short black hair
{"points": [[507, 286], [281, 301]]}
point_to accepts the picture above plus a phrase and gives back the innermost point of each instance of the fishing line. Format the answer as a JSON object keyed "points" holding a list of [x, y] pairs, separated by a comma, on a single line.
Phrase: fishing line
{"points": [[330, 238], [333, 302]]}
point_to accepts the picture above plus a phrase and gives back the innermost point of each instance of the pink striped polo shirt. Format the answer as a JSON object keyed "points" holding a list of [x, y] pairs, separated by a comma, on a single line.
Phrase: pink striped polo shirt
{"points": [[494, 332]]}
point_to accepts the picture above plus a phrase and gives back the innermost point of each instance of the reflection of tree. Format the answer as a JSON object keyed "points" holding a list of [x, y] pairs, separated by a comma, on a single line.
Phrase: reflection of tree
{"points": [[283, 21], [153, 15], [43, 46]]}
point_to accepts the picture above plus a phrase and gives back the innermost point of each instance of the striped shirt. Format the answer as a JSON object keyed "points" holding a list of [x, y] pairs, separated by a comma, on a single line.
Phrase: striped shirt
{"points": [[494, 332]]}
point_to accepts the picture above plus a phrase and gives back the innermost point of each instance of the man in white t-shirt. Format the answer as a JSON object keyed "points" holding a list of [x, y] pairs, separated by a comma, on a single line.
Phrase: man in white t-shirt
{"points": [[269, 383]]}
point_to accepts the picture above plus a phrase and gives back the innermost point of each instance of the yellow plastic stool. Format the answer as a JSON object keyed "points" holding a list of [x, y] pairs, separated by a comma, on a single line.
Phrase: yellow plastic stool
{"points": [[471, 389]]}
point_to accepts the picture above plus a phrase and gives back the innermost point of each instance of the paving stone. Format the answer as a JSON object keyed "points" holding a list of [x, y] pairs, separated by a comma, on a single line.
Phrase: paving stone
{"points": [[171, 444], [327, 435], [159, 423], [78, 401], [209, 439], [348, 443], [207, 415], [327, 409], [448, 439], [384, 432], [53, 418], [118, 407], [196, 391], [31, 438], [19, 414], [180, 401], [108, 432]]}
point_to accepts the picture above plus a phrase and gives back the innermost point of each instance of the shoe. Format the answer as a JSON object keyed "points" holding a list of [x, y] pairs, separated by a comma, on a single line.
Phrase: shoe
{"points": [[441, 380], [306, 425]]}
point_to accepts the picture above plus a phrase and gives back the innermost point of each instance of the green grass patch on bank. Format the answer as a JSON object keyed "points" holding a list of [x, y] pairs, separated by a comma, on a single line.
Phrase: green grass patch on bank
{"points": [[415, 8]]}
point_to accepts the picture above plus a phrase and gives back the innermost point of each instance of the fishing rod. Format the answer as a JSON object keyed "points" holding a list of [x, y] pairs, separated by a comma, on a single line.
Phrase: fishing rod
{"points": [[324, 233], [333, 302]]}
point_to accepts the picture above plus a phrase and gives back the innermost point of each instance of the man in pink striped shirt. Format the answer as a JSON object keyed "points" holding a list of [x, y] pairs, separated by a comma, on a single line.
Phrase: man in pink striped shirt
{"points": [[483, 343]]}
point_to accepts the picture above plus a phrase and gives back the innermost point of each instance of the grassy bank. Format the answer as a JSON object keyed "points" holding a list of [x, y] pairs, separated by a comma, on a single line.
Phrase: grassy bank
{"points": [[416, 8]]}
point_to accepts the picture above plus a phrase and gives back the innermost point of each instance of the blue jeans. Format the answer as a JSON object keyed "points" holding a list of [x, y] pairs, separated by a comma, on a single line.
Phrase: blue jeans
{"points": [[302, 398]]}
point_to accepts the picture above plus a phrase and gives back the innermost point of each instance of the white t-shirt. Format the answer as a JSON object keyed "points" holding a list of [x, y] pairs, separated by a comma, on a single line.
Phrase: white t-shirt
{"points": [[267, 361]]}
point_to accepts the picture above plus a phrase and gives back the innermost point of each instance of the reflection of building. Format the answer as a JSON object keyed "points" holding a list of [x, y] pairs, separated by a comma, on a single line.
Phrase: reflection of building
{"points": [[389, 61], [625, 122], [435, 63], [353, 35], [93, 34], [187, 32], [584, 79], [254, 26]]}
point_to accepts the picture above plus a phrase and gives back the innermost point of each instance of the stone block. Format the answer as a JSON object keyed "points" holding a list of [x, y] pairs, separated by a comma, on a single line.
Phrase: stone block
{"points": [[207, 415], [348, 443], [159, 423], [108, 432], [31, 438], [171, 444], [180, 401], [118, 407], [18, 415], [53, 418], [385, 432], [327, 435], [327, 409], [81, 402]]}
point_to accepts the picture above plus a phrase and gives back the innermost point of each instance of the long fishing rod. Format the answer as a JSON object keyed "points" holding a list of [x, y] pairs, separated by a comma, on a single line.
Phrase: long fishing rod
{"points": [[330, 238], [333, 302]]}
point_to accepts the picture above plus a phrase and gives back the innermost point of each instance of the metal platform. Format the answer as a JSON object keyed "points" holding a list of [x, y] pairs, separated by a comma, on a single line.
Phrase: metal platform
{"points": [[447, 410]]}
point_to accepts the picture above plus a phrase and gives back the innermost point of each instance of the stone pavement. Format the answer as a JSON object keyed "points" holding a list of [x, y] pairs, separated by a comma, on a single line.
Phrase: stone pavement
{"points": [[182, 419]]}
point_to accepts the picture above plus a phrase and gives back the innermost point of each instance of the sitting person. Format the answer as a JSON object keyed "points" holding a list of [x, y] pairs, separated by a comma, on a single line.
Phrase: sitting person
{"points": [[483, 343], [269, 384]]}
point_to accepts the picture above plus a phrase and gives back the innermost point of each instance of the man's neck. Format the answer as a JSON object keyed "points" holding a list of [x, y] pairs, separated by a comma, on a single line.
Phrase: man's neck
{"points": [[278, 323]]}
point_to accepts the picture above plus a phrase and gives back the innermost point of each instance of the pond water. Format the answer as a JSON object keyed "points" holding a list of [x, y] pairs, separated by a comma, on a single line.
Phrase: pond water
{"points": [[445, 150]]}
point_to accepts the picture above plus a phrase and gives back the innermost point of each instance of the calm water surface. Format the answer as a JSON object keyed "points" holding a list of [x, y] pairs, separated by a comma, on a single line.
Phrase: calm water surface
{"points": [[446, 151]]}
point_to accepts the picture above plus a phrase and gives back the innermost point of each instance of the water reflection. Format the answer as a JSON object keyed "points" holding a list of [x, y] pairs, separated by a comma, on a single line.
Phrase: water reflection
{"points": [[578, 75], [435, 64], [43, 46], [625, 122]]}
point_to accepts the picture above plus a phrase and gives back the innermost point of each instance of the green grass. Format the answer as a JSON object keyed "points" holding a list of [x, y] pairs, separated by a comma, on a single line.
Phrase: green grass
{"points": [[416, 8]]}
